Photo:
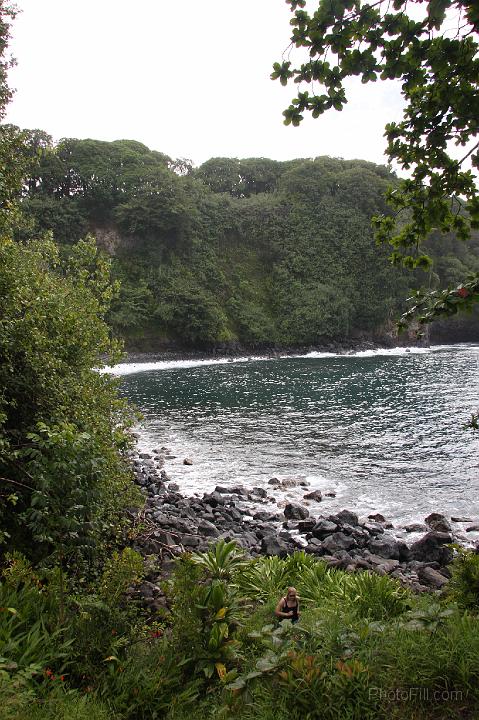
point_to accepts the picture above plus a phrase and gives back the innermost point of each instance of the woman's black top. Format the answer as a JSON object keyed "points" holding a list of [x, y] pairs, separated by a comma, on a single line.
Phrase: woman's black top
{"points": [[290, 608]]}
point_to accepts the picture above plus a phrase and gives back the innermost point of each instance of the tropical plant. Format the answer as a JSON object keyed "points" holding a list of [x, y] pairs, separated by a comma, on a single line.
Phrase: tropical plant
{"points": [[377, 596], [318, 584], [219, 613], [463, 586], [276, 644], [428, 619], [264, 578], [222, 561]]}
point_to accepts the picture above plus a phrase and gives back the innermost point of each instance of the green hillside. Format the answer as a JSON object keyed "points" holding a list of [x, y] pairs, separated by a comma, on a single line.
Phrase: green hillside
{"points": [[253, 252]]}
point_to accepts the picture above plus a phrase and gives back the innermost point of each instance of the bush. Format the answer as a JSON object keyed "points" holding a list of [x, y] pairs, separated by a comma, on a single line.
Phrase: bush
{"points": [[62, 424], [463, 586]]}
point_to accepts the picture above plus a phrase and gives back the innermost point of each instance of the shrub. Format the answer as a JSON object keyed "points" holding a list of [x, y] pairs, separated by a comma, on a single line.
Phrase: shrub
{"points": [[222, 560], [463, 586], [377, 597]]}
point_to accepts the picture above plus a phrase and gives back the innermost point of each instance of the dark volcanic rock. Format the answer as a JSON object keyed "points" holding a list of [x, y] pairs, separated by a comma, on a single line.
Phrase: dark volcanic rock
{"points": [[415, 527], [190, 540], [432, 577], [432, 547], [438, 522], [295, 512], [333, 544], [345, 517], [461, 519], [314, 546], [233, 514], [260, 492], [315, 495], [323, 528], [305, 526], [266, 516], [215, 498], [274, 545], [239, 490], [373, 528], [208, 529], [377, 517], [385, 546]]}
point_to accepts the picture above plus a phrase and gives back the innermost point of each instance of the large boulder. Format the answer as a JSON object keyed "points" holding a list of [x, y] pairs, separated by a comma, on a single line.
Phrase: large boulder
{"points": [[315, 495], [430, 576], [373, 528], [305, 526], [438, 522], [295, 512], [207, 528], [345, 517], [323, 528], [274, 545], [432, 548], [214, 499], [385, 546], [337, 542]]}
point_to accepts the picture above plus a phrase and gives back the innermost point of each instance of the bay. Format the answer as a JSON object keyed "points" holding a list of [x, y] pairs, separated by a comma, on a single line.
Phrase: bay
{"points": [[384, 430]]}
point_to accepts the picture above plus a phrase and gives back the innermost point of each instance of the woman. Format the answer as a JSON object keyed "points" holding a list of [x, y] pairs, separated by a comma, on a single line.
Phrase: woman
{"points": [[288, 606]]}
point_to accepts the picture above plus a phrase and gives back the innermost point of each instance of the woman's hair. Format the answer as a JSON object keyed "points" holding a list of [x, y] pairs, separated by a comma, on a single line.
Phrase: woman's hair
{"points": [[291, 590]]}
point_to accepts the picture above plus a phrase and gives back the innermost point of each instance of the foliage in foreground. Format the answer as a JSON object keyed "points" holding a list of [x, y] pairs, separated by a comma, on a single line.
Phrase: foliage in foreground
{"points": [[63, 475], [364, 648]]}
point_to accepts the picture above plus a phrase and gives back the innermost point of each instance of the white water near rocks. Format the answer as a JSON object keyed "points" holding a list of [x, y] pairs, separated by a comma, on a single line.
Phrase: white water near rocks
{"points": [[382, 429]]}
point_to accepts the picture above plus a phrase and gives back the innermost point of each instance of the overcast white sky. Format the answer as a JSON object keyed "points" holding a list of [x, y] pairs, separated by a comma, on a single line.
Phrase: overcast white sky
{"points": [[185, 77]]}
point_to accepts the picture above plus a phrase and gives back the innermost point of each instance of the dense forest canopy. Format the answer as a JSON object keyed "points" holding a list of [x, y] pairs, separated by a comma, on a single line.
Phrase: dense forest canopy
{"points": [[252, 250], [432, 48]]}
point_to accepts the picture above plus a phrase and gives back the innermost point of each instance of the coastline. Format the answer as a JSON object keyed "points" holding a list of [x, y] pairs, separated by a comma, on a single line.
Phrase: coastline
{"points": [[237, 350], [175, 523], [178, 522]]}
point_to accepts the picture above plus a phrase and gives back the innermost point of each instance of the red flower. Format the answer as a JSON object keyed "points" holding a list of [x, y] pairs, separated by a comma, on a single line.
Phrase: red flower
{"points": [[463, 292]]}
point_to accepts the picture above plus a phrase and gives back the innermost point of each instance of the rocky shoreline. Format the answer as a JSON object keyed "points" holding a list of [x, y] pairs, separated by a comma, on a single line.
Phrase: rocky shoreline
{"points": [[237, 350], [174, 523]]}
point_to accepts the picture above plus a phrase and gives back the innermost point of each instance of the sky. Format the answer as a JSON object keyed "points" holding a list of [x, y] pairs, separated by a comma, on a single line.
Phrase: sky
{"points": [[187, 78]]}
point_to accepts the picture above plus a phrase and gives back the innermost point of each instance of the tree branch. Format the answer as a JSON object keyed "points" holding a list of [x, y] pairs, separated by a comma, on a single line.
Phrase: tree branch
{"points": [[16, 482]]}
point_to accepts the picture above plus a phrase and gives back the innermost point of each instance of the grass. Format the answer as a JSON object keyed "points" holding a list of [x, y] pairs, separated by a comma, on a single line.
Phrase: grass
{"points": [[365, 649]]}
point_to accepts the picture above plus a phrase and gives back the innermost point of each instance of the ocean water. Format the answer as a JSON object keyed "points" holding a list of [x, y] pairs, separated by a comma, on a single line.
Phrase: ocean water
{"points": [[383, 430]]}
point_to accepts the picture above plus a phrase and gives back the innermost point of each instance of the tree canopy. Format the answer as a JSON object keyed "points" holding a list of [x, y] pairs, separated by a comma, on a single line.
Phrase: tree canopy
{"points": [[432, 49]]}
